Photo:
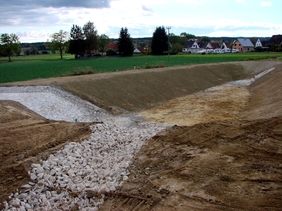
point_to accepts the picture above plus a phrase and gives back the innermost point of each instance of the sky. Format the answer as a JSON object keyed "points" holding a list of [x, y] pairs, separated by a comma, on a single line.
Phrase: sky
{"points": [[37, 20]]}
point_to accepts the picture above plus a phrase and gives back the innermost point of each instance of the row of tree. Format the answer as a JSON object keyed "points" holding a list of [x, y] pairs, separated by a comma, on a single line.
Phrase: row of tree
{"points": [[85, 40]]}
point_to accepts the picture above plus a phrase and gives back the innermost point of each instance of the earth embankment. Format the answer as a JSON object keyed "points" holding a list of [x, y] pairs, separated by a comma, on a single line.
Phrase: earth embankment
{"points": [[136, 90], [229, 161]]}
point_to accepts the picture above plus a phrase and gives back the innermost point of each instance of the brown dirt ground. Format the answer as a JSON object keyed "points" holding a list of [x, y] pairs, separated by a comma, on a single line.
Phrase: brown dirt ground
{"points": [[25, 138], [224, 152]]}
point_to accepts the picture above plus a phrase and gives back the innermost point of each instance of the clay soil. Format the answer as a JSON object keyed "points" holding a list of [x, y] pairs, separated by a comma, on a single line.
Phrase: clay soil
{"points": [[224, 151]]}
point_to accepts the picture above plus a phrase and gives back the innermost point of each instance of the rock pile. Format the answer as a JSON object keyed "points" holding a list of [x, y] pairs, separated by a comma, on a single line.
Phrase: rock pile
{"points": [[78, 176]]}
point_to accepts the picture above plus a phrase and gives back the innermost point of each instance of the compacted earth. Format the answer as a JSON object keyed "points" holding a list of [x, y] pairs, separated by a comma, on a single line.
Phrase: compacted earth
{"points": [[223, 151]]}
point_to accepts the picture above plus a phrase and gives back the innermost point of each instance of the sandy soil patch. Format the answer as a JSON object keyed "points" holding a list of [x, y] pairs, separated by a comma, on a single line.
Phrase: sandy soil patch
{"points": [[214, 104]]}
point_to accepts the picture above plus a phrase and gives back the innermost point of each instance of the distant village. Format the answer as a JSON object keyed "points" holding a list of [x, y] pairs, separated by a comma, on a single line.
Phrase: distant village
{"points": [[196, 46], [193, 45]]}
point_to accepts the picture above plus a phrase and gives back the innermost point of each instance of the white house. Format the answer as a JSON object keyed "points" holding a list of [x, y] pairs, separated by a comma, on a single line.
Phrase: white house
{"points": [[191, 46], [258, 43]]}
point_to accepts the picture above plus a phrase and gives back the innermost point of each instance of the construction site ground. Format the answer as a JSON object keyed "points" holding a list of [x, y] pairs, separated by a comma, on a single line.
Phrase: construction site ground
{"points": [[224, 151]]}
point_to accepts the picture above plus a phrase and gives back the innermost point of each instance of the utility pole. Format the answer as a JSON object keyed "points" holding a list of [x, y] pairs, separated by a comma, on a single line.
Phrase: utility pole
{"points": [[168, 44]]}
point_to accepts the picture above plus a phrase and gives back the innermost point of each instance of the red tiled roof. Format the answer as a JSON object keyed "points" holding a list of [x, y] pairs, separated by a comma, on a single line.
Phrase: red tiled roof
{"points": [[112, 45]]}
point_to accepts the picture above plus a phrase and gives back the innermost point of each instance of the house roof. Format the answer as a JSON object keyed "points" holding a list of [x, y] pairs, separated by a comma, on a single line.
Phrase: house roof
{"points": [[227, 44], [189, 43], [246, 42], [141, 49], [203, 44], [112, 45], [215, 45], [276, 39]]}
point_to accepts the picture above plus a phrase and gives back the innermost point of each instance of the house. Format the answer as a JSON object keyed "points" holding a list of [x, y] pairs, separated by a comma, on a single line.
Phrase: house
{"points": [[243, 45], [112, 45], [191, 46], [139, 50], [225, 45], [215, 45], [276, 39], [258, 43], [205, 45]]}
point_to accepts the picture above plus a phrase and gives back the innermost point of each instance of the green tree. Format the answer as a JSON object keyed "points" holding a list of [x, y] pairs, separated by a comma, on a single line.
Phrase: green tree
{"points": [[125, 44], [33, 50], [9, 44], [91, 42], [187, 35], [205, 39], [103, 41], [76, 44], [59, 42], [159, 41]]}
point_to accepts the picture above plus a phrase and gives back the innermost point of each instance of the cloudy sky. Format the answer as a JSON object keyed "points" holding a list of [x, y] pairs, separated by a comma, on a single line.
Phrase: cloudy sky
{"points": [[36, 20]]}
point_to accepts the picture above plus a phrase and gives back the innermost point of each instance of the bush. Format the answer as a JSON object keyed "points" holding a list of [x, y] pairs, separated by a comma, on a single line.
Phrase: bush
{"points": [[111, 52], [259, 49], [44, 52]]}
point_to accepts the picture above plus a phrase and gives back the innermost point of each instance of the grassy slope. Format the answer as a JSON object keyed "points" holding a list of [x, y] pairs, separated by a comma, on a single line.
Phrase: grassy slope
{"points": [[32, 67], [135, 92]]}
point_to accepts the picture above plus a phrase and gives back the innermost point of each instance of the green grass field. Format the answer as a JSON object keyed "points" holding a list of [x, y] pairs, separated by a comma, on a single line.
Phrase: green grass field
{"points": [[24, 68]]}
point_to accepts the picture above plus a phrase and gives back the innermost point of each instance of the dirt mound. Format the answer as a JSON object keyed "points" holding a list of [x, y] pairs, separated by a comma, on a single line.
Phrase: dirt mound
{"points": [[26, 138]]}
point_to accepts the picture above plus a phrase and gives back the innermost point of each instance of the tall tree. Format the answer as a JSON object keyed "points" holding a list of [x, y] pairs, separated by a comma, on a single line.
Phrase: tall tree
{"points": [[103, 41], [76, 40], [9, 44], [125, 44], [59, 41], [91, 42], [159, 41]]}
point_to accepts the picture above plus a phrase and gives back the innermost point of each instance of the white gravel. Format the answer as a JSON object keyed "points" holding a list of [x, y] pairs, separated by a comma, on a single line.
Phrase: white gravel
{"points": [[81, 173]]}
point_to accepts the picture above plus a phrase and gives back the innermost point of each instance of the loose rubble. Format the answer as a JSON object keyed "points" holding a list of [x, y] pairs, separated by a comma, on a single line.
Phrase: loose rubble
{"points": [[78, 176]]}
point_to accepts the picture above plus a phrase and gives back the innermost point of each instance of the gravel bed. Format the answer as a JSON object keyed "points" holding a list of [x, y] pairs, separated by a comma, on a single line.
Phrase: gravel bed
{"points": [[78, 176]]}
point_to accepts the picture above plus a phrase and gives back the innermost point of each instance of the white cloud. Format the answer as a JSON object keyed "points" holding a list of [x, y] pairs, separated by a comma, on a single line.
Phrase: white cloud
{"points": [[241, 2], [192, 2], [266, 4]]}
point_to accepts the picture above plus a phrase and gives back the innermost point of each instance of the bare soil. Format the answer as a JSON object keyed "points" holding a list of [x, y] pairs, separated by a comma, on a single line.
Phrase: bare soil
{"points": [[224, 152], [25, 138]]}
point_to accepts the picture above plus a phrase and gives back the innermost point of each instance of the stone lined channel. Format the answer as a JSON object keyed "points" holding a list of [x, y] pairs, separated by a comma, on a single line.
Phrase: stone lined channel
{"points": [[77, 176]]}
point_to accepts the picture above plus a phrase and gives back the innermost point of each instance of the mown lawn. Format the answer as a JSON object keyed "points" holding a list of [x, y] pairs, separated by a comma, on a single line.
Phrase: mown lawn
{"points": [[46, 66]]}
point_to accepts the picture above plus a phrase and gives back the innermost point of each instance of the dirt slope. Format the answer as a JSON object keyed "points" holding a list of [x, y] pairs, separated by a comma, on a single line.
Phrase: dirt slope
{"points": [[222, 165], [142, 89], [25, 138], [229, 160], [215, 166]]}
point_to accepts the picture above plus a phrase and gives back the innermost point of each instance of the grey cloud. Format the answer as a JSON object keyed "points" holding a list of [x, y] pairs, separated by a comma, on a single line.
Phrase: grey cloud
{"points": [[59, 3], [146, 9]]}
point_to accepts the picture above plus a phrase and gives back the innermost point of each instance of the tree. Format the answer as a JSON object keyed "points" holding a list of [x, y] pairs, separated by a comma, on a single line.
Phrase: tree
{"points": [[59, 42], [205, 39], [125, 44], [76, 44], [103, 41], [187, 35], [91, 42], [159, 41], [9, 44]]}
